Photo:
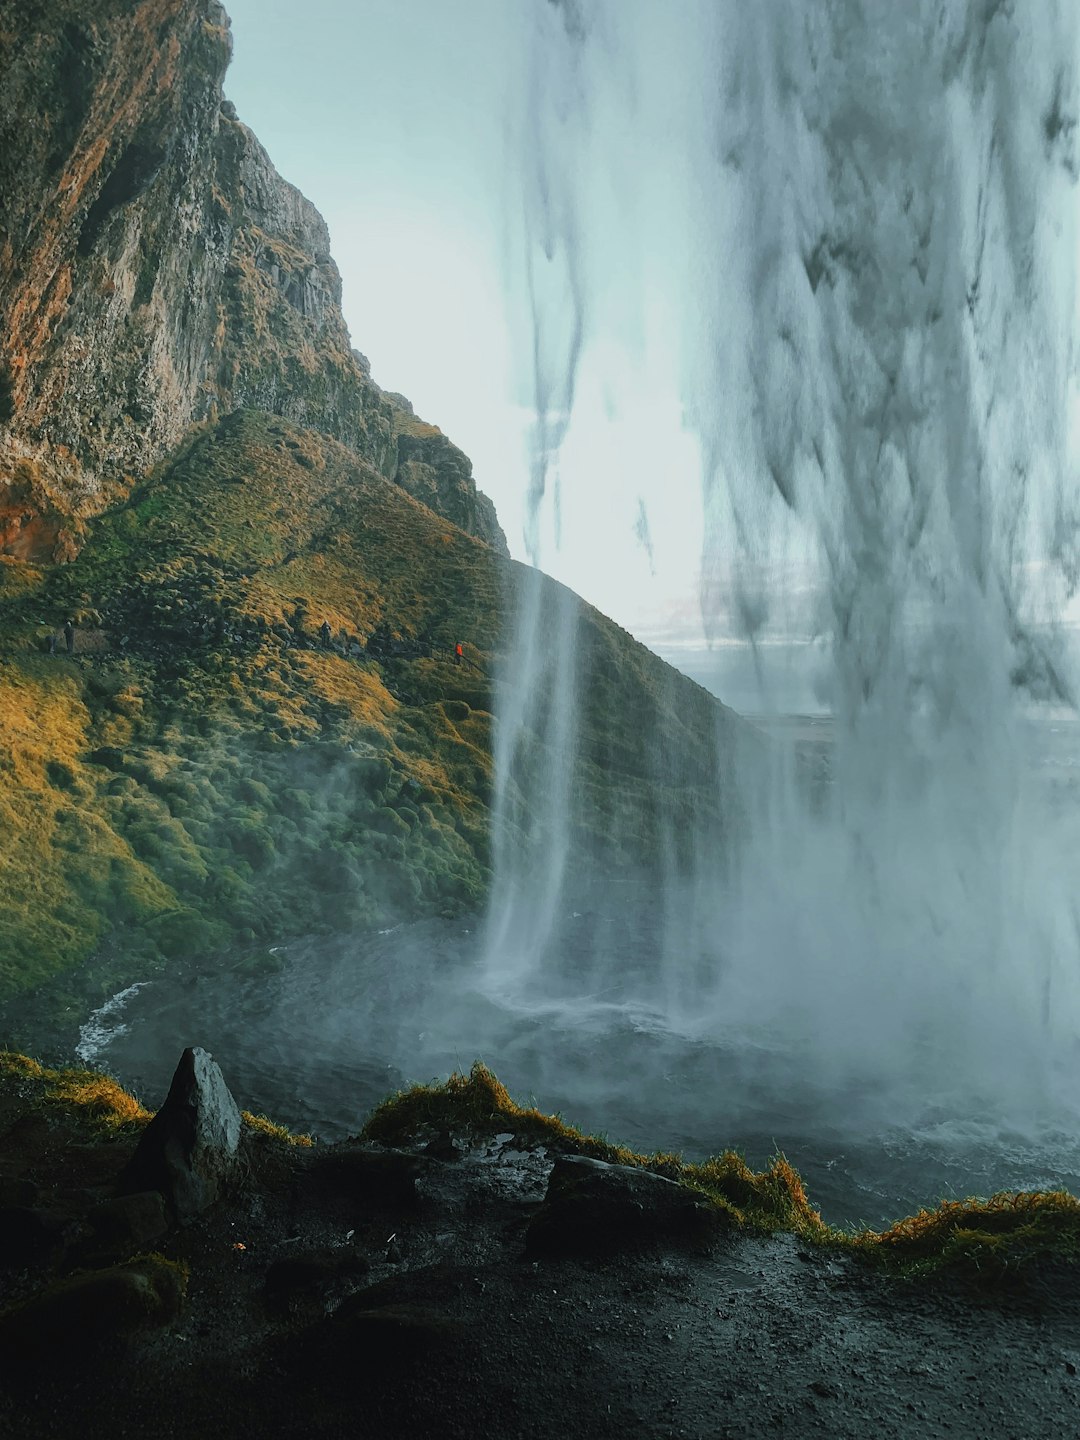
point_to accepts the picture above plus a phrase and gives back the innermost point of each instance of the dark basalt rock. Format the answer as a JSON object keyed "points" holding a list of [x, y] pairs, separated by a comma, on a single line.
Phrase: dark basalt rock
{"points": [[375, 1177], [188, 1151], [591, 1207], [81, 1314], [126, 1224]]}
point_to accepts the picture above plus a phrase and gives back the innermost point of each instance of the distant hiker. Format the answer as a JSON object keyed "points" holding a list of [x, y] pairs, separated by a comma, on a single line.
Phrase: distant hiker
{"points": [[459, 653], [52, 642], [324, 634], [69, 636]]}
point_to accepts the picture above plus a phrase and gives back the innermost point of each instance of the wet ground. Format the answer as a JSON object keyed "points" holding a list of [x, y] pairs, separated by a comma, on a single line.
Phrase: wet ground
{"points": [[320, 1306]]}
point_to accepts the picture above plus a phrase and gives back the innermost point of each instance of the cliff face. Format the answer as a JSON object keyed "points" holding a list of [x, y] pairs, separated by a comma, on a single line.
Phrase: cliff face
{"points": [[156, 271]]}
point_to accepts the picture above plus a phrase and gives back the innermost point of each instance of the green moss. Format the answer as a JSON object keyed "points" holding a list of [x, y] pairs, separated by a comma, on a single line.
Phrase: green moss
{"points": [[86, 1309]]}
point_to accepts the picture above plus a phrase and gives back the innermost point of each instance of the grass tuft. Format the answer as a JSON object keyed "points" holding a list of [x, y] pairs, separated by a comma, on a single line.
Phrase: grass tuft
{"points": [[263, 1125], [88, 1094], [989, 1240], [773, 1199]]}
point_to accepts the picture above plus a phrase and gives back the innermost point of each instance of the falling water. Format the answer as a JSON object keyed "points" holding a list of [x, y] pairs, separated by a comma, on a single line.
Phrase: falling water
{"points": [[850, 226]]}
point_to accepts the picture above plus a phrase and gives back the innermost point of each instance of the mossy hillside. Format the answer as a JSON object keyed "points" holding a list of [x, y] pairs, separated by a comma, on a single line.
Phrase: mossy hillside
{"points": [[221, 784], [67, 874], [244, 779]]}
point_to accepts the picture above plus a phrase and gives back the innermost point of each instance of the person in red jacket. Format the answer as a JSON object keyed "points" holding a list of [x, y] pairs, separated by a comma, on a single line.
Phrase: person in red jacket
{"points": [[459, 652]]}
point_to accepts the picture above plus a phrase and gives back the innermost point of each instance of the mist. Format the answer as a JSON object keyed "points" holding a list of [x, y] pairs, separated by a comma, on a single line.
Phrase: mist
{"points": [[850, 232]]}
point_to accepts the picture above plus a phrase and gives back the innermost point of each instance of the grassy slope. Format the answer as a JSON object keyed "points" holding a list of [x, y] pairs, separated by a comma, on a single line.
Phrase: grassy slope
{"points": [[188, 781]]}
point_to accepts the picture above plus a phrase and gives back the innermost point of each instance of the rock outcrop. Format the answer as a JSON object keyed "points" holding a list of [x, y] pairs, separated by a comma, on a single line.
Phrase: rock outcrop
{"points": [[592, 1207], [297, 1308], [156, 271], [188, 1151], [258, 727]]}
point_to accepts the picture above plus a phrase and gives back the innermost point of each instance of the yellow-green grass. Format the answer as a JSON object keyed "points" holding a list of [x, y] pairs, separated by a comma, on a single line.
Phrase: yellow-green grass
{"points": [[65, 873], [221, 792], [263, 1125], [90, 1096], [995, 1239]]}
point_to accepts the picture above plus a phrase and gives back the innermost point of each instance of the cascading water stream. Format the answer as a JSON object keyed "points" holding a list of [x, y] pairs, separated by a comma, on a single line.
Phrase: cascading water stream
{"points": [[858, 221]]}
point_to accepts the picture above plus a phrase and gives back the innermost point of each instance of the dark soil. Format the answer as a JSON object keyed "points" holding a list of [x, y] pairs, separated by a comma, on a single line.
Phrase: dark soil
{"points": [[353, 1291]]}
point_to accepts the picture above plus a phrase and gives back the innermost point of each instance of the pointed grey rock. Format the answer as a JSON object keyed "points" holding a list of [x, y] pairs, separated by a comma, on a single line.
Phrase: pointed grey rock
{"points": [[188, 1150]]}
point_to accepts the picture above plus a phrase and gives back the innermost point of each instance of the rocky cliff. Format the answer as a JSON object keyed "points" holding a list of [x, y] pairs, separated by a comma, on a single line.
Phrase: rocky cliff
{"points": [[156, 271]]}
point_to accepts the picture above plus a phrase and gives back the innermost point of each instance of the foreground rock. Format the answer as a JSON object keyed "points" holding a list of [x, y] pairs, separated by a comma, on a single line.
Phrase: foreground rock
{"points": [[402, 1295], [74, 1318], [593, 1208], [188, 1151]]}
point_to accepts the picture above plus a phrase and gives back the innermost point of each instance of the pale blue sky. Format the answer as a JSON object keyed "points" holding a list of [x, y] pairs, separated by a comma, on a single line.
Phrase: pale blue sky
{"points": [[396, 120]]}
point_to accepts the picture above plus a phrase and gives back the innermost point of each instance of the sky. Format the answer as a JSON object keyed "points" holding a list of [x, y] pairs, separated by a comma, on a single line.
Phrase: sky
{"points": [[412, 128], [393, 120]]}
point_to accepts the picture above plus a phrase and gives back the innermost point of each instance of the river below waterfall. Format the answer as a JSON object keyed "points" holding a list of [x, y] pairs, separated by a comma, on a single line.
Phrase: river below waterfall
{"points": [[346, 1021]]}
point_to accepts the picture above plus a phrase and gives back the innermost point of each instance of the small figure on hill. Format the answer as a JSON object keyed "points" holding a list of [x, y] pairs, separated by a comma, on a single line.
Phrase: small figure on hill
{"points": [[459, 653], [324, 634], [69, 636], [52, 642]]}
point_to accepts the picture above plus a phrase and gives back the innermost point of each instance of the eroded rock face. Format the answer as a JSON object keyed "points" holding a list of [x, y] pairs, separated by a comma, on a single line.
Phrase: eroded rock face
{"points": [[188, 1151], [155, 271]]}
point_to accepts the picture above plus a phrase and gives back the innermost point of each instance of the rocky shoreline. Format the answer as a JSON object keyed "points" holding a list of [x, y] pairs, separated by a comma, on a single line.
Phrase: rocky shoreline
{"points": [[204, 1271]]}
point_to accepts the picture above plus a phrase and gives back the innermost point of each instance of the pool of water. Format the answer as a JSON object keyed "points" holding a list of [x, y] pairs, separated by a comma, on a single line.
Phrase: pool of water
{"points": [[345, 1022]]}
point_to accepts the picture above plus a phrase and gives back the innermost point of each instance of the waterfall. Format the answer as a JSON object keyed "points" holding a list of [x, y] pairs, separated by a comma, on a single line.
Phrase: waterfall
{"points": [[852, 225]]}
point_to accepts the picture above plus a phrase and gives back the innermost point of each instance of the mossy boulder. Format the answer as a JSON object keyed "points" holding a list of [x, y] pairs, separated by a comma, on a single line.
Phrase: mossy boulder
{"points": [[78, 1316]]}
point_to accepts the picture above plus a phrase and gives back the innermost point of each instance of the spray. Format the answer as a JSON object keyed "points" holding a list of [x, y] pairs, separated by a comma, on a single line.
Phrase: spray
{"points": [[862, 218]]}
